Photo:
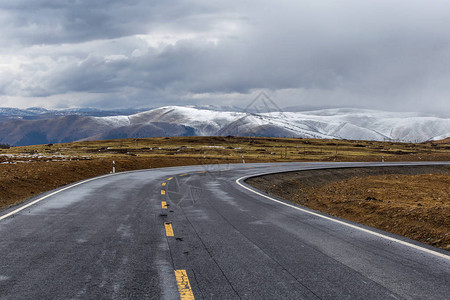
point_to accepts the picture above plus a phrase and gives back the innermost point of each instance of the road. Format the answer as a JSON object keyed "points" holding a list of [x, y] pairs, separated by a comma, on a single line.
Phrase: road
{"points": [[199, 231]]}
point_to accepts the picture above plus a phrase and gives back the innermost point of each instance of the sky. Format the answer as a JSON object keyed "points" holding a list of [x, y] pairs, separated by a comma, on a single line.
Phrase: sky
{"points": [[377, 54]]}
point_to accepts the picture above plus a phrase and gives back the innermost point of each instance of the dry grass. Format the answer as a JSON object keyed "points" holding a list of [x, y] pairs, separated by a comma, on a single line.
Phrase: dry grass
{"points": [[233, 148], [389, 202], [408, 201], [23, 180]]}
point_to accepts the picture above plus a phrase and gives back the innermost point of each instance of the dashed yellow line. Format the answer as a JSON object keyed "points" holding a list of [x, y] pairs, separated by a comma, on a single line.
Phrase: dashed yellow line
{"points": [[223, 170], [163, 184], [201, 172], [169, 229], [164, 204], [182, 174], [184, 287], [170, 178], [163, 192]]}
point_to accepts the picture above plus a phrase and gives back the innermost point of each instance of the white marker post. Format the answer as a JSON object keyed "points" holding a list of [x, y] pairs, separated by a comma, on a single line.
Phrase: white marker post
{"points": [[243, 160], [114, 167]]}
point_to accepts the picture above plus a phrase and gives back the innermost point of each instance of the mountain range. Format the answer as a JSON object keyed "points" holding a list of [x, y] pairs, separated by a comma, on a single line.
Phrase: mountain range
{"points": [[40, 126], [39, 113]]}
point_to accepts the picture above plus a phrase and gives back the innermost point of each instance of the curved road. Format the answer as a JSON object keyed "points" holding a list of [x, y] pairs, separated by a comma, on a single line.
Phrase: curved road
{"points": [[199, 231]]}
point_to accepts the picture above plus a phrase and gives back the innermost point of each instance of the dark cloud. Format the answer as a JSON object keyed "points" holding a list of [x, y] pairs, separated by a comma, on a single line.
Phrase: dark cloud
{"points": [[69, 21], [378, 54]]}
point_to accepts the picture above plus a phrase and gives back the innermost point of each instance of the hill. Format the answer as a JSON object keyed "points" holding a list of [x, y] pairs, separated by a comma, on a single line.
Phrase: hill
{"points": [[352, 124]]}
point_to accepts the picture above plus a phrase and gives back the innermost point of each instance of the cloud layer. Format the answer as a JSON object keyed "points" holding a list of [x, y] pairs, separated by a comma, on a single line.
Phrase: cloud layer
{"points": [[376, 54]]}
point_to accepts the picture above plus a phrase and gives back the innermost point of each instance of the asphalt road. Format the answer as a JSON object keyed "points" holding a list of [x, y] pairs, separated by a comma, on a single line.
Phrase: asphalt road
{"points": [[114, 237]]}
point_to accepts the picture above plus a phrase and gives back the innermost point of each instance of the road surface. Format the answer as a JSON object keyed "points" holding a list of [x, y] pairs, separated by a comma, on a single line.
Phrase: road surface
{"points": [[199, 231]]}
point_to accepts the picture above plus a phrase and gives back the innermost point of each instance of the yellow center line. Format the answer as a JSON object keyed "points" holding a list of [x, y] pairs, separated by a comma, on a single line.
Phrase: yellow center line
{"points": [[184, 287], [183, 174], [224, 170], [164, 204], [170, 178], [163, 184], [163, 192], [169, 229], [201, 172]]}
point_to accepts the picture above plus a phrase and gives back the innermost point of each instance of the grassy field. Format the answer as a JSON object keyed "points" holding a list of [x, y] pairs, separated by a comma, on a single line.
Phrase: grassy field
{"points": [[233, 149]]}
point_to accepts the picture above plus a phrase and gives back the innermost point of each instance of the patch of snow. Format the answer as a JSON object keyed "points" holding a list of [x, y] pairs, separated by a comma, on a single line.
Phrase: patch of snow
{"points": [[113, 121]]}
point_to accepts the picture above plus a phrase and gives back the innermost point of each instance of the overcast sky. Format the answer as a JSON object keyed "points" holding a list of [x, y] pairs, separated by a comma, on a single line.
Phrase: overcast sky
{"points": [[389, 55]]}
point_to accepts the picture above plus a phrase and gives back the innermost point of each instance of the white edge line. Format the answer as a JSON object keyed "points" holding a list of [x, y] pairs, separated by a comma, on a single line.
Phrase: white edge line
{"points": [[344, 223], [49, 195]]}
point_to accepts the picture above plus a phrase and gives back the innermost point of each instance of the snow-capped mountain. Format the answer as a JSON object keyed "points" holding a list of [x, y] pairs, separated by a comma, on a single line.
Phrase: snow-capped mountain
{"points": [[35, 113], [355, 124], [16, 112], [329, 123]]}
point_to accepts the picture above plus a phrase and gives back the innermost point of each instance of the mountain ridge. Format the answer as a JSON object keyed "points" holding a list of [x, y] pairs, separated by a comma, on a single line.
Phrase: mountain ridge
{"points": [[339, 123]]}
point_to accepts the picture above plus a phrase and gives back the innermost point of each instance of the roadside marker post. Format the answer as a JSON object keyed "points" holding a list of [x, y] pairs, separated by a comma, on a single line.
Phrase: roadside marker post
{"points": [[114, 167]]}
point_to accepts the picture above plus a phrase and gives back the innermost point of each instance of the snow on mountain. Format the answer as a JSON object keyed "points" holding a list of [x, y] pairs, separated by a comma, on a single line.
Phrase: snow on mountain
{"points": [[441, 138], [36, 113], [354, 124], [370, 125], [113, 121], [206, 122], [15, 112]]}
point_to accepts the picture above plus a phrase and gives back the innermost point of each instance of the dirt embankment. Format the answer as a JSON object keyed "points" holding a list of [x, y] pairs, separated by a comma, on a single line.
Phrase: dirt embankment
{"points": [[408, 201], [21, 181]]}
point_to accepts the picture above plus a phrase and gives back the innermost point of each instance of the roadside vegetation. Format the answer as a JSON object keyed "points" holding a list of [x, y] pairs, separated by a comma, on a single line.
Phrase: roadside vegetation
{"points": [[412, 201]]}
